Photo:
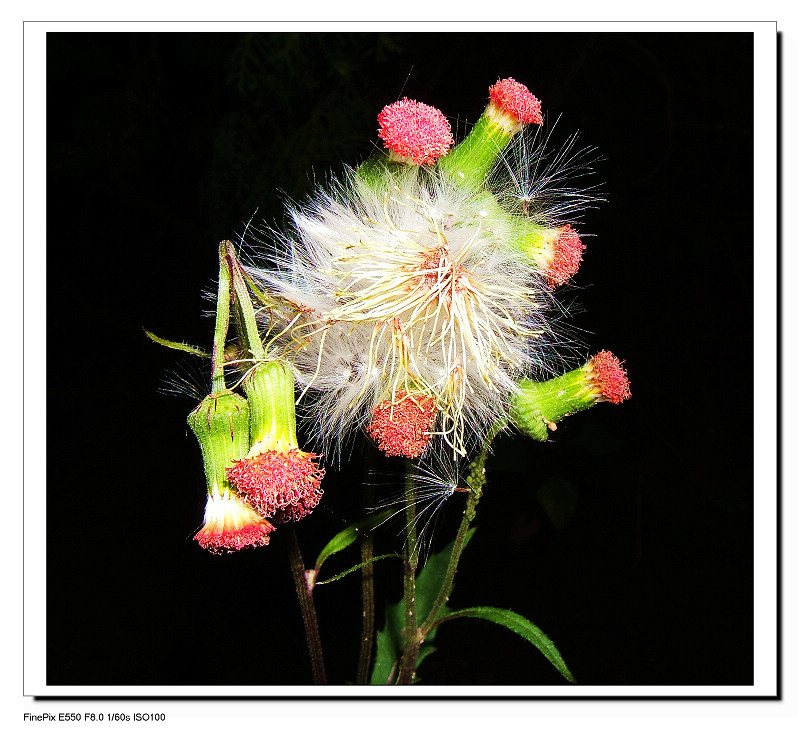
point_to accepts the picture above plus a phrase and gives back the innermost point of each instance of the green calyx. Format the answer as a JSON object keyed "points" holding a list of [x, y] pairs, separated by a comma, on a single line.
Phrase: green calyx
{"points": [[471, 161], [270, 390], [538, 406], [221, 424]]}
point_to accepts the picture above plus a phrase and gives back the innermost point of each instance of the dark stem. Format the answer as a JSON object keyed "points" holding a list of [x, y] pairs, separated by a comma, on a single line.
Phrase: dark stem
{"points": [[412, 636], [306, 607], [367, 577], [368, 611]]}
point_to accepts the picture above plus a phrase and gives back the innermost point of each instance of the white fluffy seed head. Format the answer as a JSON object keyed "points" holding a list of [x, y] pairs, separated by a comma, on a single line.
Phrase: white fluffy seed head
{"points": [[408, 286]]}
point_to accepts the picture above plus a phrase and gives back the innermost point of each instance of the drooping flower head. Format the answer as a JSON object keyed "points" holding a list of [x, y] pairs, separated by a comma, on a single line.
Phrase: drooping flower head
{"points": [[221, 423], [231, 524], [278, 479], [414, 132]]}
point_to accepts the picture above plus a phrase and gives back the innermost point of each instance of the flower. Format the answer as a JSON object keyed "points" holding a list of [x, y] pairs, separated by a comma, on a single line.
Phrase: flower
{"points": [[537, 406], [221, 425], [413, 288], [401, 427], [231, 524], [414, 132], [275, 477], [512, 105], [565, 251], [607, 378], [411, 301]]}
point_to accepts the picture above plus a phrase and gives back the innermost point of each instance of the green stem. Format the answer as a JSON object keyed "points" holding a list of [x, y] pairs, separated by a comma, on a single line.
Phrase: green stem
{"points": [[224, 299], [306, 608], [245, 304], [476, 477], [412, 636]]}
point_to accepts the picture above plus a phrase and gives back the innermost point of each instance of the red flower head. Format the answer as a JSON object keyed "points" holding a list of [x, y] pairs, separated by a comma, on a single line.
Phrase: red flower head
{"points": [[402, 427], [275, 477], [512, 105], [566, 257], [283, 484], [230, 524], [608, 376], [415, 131]]}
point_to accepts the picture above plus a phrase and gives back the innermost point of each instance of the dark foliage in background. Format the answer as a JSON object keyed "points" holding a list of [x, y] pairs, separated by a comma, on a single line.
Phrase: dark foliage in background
{"points": [[627, 538]]}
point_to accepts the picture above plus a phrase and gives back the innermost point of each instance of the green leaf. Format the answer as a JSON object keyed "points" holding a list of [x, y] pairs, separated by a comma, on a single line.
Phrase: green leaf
{"points": [[176, 345], [347, 536], [358, 567], [519, 625], [389, 640]]}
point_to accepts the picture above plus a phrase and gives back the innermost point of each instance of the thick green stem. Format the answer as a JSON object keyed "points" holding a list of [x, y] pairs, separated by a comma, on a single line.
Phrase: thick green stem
{"points": [[412, 636], [306, 607], [224, 300]]}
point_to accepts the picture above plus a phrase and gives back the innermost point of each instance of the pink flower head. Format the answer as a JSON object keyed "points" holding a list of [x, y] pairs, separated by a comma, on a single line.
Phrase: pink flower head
{"points": [[567, 256], [280, 484], [402, 428], [415, 131], [609, 377], [231, 524], [516, 100]]}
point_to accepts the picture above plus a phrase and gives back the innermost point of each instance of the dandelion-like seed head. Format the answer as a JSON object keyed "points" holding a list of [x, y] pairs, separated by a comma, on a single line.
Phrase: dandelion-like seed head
{"points": [[414, 131], [230, 524], [419, 276]]}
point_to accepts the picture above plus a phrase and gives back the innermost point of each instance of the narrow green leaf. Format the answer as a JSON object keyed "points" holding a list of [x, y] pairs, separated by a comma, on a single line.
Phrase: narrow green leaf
{"points": [[176, 345], [519, 625], [358, 567], [347, 536]]}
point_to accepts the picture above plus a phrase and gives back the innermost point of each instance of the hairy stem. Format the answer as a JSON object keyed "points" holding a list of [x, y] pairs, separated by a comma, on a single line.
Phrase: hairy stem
{"points": [[412, 636], [224, 299], [248, 315], [367, 582], [306, 608], [476, 477]]}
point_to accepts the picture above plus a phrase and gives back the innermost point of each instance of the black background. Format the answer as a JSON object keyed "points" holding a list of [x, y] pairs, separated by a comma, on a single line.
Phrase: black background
{"points": [[162, 144]]}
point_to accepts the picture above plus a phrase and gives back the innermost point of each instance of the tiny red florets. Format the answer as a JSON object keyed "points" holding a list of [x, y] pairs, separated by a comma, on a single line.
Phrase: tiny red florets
{"points": [[415, 130], [230, 524], [283, 485], [566, 258], [610, 376], [514, 98], [401, 429]]}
